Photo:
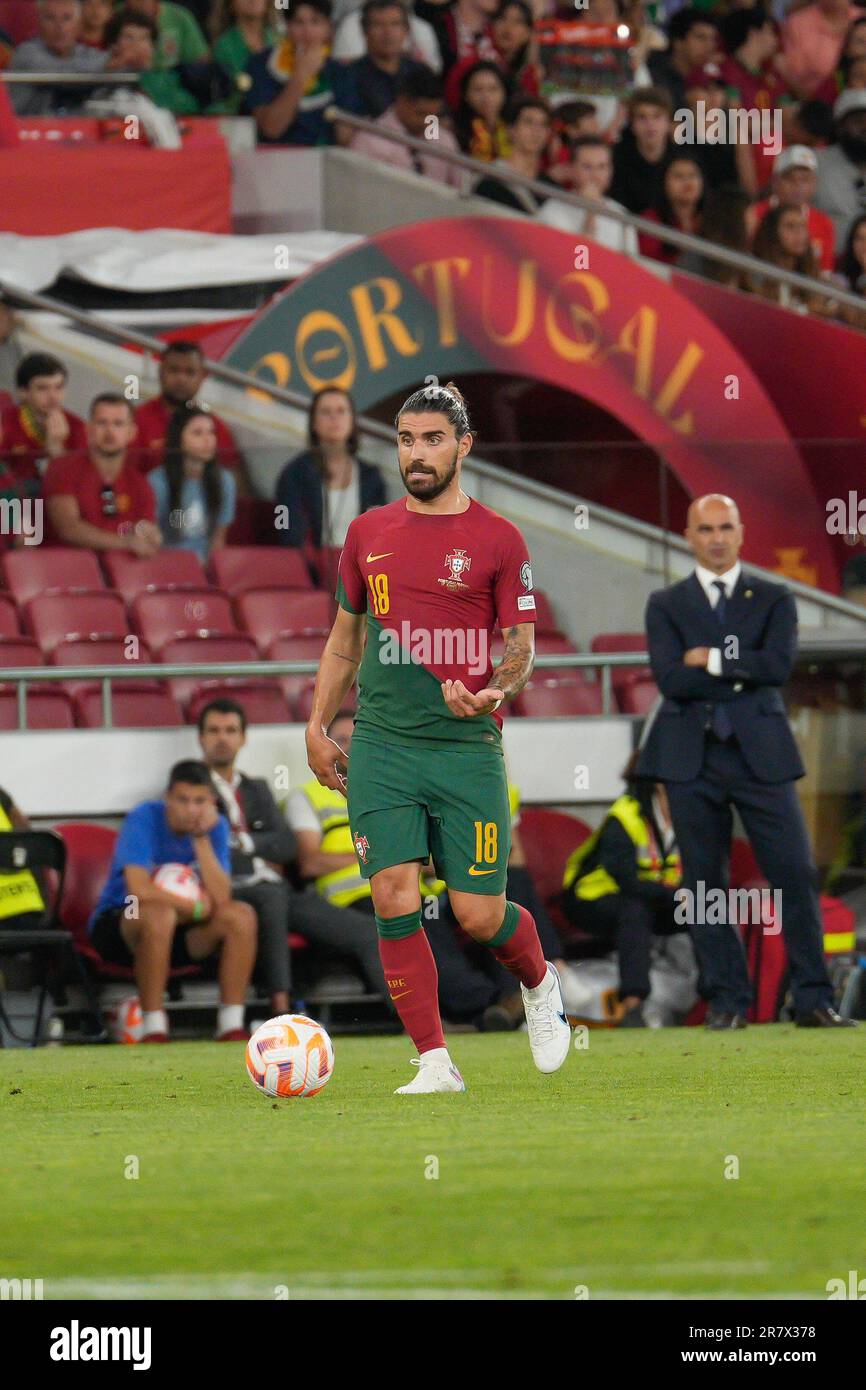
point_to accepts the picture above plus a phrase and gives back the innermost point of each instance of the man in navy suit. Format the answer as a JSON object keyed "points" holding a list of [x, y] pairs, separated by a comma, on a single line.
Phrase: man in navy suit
{"points": [[721, 644]]}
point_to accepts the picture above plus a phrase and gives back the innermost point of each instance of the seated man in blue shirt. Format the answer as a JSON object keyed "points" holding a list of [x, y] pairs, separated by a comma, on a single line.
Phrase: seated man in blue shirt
{"points": [[293, 83], [137, 923]]}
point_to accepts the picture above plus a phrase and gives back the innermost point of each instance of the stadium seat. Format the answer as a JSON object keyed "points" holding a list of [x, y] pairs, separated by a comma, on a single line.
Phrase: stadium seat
{"points": [[60, 618], [170, 569], [8, 618], [20, 651], [302, 704], [46, 709], [263, 701], [133, 706], [637, 696], [200, 651], [558, 699], [237, 568], [296, 649], [98, 651], [621, 642], [20, 20], [545, 623], [88, 858], [272, 613], [548, 838], [50, 570], [161, 617]]}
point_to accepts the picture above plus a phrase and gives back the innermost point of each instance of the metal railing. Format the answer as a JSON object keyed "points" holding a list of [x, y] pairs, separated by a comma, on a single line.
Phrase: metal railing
{"points": [[70, 79], [684, 241]]}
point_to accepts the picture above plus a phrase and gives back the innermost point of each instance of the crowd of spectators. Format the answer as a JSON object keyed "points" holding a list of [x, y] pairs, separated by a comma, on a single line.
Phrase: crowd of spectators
{"points": [[466, 75]]}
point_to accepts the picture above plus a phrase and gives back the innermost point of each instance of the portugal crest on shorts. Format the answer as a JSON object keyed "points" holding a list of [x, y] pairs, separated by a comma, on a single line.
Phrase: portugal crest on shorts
{"points": [[362, 847], [458, 563]]}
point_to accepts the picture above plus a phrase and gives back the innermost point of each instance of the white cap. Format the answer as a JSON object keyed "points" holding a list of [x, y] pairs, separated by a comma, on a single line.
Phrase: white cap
{"points": [[796, 157], [854, 99]]}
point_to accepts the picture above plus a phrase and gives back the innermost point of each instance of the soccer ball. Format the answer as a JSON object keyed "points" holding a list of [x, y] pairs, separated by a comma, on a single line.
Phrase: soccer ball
{"points": [[125, 1021], [291, 1055], [180, 880]]}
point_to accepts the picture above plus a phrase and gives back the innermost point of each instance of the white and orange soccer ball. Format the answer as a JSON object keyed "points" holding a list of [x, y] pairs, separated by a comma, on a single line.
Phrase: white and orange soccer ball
{"points": [[180, 879], [125, 1020], [291, 1055]]}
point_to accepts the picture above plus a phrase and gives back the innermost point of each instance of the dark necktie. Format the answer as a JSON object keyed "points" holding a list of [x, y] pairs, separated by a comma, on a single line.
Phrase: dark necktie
{"points": [[722, 726]]}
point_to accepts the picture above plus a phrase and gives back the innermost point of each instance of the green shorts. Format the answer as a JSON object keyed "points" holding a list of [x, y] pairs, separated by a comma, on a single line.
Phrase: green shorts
{"points": [[407, 802]]}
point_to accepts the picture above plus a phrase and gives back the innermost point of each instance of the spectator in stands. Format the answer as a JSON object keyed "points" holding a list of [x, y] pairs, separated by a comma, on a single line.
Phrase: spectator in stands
{"points": [[293, 83], [95, 15], [179, 37], [853, 55], [591, 174], [680, 205], [418, 100], [570, 121], [131, 38], [795, 182], [693, 39], [528, 122], [350, 44], [97, 498], [323, 489], [463, 28], [6, 49], [754, 84], [181, 376], [378, 75], [21, 901], [808, 123], [260, 842], [841, 191], [56, 49], [195, 497], [620, 885], [722, 162], [137, 923], [38, 428], [11, 351], [852, 278], [479, 125], [725, 222], [511, 28], [812, 42], [640, 157], [783, 240], [241, 29]]}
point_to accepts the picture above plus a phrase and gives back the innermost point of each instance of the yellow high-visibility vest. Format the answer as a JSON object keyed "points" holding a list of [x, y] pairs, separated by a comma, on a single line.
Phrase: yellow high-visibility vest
{"points": [[597, 882], [18, 892], [344, 886]]}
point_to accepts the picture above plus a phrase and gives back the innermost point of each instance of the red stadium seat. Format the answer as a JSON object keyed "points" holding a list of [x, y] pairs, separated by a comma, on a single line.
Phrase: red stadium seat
{"points": [[161, 617], [548, 838], [8, 618], [20, 20], [71, 617], [237, 568], [272, 613], [170, 569], [46, 709], [263, 702], [302, 704], [622, 642], [638, 695], [88, 858], [545, 622], [99, 651], [558, 699], [296, 649], [238, 646], [20, 651], [49, 570], [133, 706]]}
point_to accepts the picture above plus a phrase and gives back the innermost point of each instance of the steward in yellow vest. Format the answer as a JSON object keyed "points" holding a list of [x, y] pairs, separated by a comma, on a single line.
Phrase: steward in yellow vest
{"points": [[619, 886], [19, 892]]}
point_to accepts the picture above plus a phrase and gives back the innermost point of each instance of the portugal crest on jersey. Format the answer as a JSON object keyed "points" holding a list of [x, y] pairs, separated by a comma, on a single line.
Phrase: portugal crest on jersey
{"points": [[362, 847], [458, 563]]}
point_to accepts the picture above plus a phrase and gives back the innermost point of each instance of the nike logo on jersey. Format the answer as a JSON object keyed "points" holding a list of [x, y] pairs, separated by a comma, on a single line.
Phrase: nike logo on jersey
{"points": [[371, 558], [400, 996], [479, 873]]}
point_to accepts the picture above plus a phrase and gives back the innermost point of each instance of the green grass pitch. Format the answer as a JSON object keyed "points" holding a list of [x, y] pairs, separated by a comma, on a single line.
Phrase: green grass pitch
{"points": [[607, 1177]]}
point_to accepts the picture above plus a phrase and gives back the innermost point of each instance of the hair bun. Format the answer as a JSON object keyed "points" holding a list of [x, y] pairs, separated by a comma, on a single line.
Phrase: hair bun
{"points": [[455, 391]]}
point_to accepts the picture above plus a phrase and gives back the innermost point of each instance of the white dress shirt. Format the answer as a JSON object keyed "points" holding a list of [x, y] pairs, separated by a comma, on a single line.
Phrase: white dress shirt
{"points": [[707, 580]]}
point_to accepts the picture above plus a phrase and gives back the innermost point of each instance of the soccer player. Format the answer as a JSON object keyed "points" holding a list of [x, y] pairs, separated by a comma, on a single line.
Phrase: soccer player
{"points": [[425, 580]]}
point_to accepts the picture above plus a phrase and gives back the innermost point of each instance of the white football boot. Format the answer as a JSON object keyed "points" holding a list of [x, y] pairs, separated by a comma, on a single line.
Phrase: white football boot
{"points": [[549, 1029], [435, 1073]]}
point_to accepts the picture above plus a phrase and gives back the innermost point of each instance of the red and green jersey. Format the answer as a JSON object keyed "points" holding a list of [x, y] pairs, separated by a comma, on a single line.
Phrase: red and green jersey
{"points": [[434, 588]]}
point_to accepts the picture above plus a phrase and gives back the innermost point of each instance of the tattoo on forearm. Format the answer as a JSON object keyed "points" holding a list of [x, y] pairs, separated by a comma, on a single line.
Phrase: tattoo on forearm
{"points": [[515, 668]]}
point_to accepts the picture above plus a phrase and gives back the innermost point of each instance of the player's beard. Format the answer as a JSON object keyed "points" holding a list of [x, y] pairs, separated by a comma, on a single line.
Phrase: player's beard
{"points": [[432, 486]]}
